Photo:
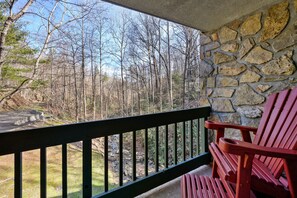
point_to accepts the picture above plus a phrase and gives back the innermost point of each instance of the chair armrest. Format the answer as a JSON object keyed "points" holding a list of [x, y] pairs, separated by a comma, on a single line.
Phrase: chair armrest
{"points": [[220, 125], [238, 147]]}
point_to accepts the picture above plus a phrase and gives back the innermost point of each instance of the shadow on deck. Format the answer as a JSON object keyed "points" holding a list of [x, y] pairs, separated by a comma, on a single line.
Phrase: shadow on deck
{"points": [[171, 189]]}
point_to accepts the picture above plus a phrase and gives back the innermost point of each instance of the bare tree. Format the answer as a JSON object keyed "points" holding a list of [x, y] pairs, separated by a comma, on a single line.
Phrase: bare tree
{"points": [[120, 40], [51, 25]]}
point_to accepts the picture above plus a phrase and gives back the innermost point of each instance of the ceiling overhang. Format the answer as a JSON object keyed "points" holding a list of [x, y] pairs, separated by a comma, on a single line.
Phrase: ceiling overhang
{"points": [[204, 15]]}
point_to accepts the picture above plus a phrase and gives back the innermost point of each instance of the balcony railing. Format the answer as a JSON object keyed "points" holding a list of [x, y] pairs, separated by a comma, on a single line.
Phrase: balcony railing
{"points": [[185, 128]]}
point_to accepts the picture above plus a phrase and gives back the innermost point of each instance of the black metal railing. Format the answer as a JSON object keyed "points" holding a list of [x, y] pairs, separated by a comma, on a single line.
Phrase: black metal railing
{"points": [[182, 142]]}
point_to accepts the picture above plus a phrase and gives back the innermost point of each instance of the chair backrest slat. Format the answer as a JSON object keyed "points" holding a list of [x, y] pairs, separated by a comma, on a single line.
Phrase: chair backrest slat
{"points": [[278, 127], [290, 143], [274, 117], [265, 117], [280, 131]]}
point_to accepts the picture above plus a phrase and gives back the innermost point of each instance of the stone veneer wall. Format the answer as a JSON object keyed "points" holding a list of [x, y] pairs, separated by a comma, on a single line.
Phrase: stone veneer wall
{"points": [[248, 59]]}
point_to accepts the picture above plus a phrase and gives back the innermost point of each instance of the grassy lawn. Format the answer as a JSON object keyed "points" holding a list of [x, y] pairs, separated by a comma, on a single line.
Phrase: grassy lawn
{"points": [[31, 173]]}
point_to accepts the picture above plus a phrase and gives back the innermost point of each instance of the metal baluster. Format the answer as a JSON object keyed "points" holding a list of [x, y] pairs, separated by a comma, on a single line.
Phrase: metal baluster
{"points": [[64, 170], [175, 143], [43, 172], [184, 141], [87, 168], [18, 174], [191, 138], [198, 136], [121, 159], [106, 163], [166, 147], [157, 150], [146, 152], [134, 156]]}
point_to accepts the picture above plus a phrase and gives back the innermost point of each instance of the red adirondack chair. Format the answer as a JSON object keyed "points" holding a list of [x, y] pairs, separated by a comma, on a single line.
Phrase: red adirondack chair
{"points": [[193, 186], [272, 149]]}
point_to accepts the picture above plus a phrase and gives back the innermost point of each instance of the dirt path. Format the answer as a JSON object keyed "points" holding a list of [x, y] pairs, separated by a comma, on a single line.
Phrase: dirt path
{"points": [[16, 120]]}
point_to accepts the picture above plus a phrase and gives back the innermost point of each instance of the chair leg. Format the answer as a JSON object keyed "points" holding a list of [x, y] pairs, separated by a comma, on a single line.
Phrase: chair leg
{"points": [[215, 170], [291, 173], [244, 171]]}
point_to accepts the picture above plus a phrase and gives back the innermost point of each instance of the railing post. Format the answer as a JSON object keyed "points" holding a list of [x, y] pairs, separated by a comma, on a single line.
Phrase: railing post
{"points": [[87, 168]]}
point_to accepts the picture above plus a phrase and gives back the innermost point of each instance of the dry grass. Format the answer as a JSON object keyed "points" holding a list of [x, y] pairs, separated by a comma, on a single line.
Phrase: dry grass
{"points": [[31, 173]]}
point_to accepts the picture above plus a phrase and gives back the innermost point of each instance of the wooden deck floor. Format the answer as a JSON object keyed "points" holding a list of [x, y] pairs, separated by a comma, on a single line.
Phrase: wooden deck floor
{"points": [[172, 189]]}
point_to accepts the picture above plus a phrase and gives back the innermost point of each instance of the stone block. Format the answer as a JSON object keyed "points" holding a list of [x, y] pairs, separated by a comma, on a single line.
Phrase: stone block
{"points": [[250, 112], [222, 93], [276, 21], [258, 55], [262, 88], [211, 46], [226, 34], [281, 66], [211, 81], [232, 118], [235, 24], [204, 39], [245, 95], [286, 39], [227, 82], [249, 76], [215, 37], [230, 47], [246, 46], [274, 79], [205, 69], [251, 25], [222, 105], [203, 101], [222, 58], [232, 69]]}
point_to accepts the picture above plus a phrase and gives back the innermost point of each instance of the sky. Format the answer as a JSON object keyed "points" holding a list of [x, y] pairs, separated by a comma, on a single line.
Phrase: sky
{"points": [[33, 24]]}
